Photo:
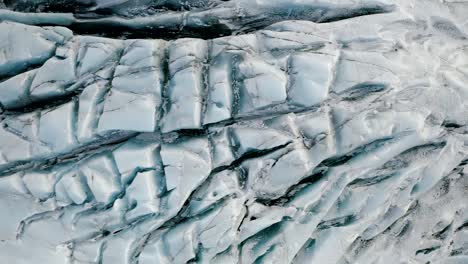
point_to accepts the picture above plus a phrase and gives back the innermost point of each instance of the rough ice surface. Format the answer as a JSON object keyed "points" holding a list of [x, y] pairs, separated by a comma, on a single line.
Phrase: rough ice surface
{"points": [[242, 131]]}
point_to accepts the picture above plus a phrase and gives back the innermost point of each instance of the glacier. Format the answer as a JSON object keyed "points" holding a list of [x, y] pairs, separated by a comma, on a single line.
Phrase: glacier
{"points": [[234, 131]]}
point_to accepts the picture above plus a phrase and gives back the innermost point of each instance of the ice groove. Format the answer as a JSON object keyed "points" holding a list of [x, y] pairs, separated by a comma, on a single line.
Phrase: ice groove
{"points": [[218, 19], [237, 131]]}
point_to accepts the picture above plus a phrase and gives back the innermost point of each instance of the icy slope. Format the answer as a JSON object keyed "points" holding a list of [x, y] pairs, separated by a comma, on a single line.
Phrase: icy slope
{"points": [[309, 132]]}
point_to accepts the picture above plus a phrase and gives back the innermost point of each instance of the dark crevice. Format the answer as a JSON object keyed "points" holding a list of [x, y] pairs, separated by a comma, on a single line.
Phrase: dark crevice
{"points": [[118, 137], [462, 226], [48, 6], [262, 115], [90, 8], [337, 222], [79, 153], [347, 13], [187, 133], [139, 246], [164, 105], [166, 25], [265, 234], [364, 182], [244, 217], [443, 233], [318, 13], [44, 103], [357, 248], [451, 125], [362, 90], [342, 159], [250, 155], [183, 215], [321, 170], [459, 251], [121, 31], [180, 217], [425, 251], [198, 255], [295, 189], [404, 159]]}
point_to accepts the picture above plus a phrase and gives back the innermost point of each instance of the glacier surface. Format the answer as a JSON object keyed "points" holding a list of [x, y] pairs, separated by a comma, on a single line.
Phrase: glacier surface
{"points": [[241, 131]]}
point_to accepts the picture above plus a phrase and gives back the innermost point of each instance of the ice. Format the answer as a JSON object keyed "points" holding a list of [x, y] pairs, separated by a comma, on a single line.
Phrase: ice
{"points": [[89, 108], [71, 188], [13, 148], [121, 109], [54, 76], [220, 186], [220, 142], [220, 93], [358, 67], [143, 193], [57, 126], [249, 140], [25, 46], [103, 178], [14, 91], [270, 180], [185, 165], [186, 85], [40, 185], [311, 75], [209, 131], [263, 85], [95, 53], [128, 165]]}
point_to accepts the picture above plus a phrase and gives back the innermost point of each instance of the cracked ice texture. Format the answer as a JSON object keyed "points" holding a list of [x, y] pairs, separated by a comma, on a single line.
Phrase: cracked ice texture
{"points": [[234, 131]]}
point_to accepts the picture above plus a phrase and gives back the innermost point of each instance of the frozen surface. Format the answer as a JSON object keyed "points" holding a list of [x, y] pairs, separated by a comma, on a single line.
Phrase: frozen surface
{"points": [[242, 131]]}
